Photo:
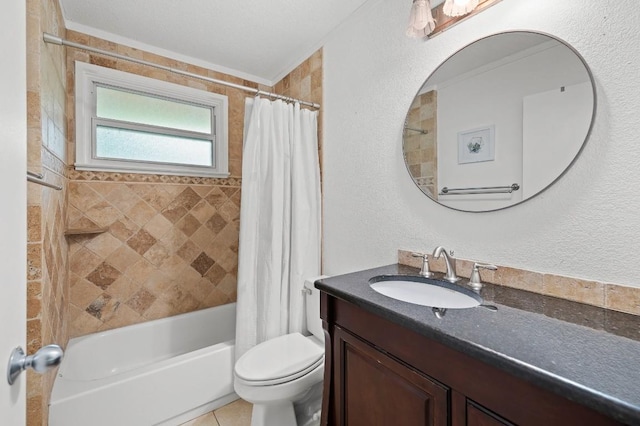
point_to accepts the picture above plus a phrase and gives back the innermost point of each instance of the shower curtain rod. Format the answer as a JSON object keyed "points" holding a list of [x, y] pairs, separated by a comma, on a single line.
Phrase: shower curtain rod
{"points": [[49, 38]]}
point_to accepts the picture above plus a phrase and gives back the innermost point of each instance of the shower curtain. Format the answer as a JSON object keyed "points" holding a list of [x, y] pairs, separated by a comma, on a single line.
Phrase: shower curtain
{"points": [[279, 220]]}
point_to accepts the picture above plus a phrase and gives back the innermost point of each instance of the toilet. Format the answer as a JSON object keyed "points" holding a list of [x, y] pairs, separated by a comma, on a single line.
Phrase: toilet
{"points": [[282, 377]]}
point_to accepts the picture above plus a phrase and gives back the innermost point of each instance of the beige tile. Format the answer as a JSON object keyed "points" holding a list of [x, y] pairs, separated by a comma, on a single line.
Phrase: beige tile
{"points": [[34, 224], [208, 419], [159, 283], [215, 298], [82, 196], [103, 213], [157, 254], [517, 278], [103, 244], [125, 316], [141, 213], [83, 293], [83, 323], [159, 309], [123, 257], [123, 288], [158, 226], [173, 240], [622, 298], [122, 197], [238, 413], [123, 228], [198, 287], [589, 292], [174, 266]]}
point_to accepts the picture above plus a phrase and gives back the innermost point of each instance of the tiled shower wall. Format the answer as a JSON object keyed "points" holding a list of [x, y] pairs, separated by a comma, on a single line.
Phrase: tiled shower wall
{"points": [[47, 281], [170, 243], [420, 149], [168, 249]]}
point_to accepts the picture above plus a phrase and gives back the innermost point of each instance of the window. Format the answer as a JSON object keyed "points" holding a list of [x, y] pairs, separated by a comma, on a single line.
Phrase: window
{"points": [[130, 123]]}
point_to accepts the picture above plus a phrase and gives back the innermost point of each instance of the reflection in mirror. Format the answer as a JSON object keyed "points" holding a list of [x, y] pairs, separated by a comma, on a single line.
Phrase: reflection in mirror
{"points": [[499, 121]]}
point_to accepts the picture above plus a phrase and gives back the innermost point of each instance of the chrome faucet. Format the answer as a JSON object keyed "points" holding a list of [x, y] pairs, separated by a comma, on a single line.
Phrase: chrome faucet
{"points": [[474, 280], [424, 270], [451, 264]]}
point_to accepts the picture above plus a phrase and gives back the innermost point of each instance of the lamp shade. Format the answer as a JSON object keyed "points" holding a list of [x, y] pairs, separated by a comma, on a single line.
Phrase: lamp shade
{"points": [[421, 22], [459, 7]]}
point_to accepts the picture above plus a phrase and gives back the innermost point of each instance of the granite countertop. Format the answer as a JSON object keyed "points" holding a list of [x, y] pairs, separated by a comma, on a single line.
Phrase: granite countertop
{"points": [[569, 353]]}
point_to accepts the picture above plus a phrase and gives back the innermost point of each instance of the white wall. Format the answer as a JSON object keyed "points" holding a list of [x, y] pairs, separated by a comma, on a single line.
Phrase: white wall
{"points": [[587, 225], [554, 122]]}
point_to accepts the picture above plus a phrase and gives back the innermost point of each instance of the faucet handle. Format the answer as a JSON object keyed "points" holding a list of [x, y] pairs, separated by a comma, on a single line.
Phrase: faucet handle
{"points": [[424, 271], [474, 280]]}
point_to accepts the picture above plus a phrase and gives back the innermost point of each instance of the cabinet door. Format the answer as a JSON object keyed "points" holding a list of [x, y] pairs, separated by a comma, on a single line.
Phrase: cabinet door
{"points": [[374, 389], [478, 416], [469, 413]]}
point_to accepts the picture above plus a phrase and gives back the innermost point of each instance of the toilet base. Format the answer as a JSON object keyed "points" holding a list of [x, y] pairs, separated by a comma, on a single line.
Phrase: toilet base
{"points": [[281, 414]]}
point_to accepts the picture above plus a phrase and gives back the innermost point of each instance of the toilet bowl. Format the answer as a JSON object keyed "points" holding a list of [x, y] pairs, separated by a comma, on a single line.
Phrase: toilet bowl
{"points": [[282, 376]]}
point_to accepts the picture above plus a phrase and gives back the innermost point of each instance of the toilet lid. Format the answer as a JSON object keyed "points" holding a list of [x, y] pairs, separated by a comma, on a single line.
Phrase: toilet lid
{"points": [[280, 359]]}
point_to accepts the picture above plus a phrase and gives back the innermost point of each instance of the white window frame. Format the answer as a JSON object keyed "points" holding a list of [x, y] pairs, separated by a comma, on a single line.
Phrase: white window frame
{"points": [[88, 75]]}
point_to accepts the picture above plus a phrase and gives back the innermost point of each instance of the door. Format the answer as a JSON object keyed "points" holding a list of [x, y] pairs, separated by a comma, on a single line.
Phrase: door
{"points": [[13, 199], [556, 121], [374, 389]]}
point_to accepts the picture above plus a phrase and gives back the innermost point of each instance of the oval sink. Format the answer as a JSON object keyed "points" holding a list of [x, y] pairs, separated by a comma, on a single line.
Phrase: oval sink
{"points": [[425, 291]]}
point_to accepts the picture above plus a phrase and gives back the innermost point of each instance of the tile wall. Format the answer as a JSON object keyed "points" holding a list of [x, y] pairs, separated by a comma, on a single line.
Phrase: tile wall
{"points": [[170, 244], [47, 279], [169, 248], [305, 82], [420, 149]]}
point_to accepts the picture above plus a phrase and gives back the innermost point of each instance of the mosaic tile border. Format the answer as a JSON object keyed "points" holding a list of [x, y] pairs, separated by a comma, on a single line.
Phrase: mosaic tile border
{"points": [[85, 175], [604, 295]]}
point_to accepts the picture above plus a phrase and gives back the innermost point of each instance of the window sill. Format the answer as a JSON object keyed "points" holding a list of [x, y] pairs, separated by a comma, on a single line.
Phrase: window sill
{"points": [[171, 172]]}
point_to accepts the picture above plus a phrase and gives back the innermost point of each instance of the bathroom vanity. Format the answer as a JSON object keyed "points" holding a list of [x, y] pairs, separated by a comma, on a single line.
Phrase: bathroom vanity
{"points": [[394, 363]]}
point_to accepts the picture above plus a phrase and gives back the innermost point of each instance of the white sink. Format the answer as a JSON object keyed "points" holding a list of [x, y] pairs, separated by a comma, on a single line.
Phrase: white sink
{"points": [[425, 291]]}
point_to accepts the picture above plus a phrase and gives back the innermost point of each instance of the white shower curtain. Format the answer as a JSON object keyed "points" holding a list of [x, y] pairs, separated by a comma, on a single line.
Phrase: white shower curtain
{"points": [[279, 220]]}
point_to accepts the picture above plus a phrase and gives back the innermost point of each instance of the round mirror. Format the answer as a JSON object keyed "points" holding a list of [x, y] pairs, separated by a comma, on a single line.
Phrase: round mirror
{"points": [[499, 121]]}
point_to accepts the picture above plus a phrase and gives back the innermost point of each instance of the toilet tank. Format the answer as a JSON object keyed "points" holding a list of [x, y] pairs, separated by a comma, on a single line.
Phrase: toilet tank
{"points": [[312, 308]]}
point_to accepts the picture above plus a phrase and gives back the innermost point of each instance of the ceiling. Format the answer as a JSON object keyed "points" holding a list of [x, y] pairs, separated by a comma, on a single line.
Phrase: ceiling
{"points": [[259, 40], [487, 51]]}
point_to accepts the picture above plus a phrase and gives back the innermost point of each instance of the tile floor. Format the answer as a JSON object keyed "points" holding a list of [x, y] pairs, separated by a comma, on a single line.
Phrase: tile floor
{"points": [[238, 413]]}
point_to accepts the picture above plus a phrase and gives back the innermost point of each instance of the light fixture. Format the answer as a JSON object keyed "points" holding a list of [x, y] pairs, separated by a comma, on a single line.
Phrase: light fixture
{"points": [[459, 7], [421, 22]]}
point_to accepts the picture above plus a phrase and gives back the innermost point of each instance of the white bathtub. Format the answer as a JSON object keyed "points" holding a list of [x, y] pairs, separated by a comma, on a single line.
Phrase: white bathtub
{"points": [[162, 372]]}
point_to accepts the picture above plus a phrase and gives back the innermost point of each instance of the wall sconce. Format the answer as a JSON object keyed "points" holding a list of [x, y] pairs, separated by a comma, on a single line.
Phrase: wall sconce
{"points": [[459, 7], [421, 22], [430, 17]]}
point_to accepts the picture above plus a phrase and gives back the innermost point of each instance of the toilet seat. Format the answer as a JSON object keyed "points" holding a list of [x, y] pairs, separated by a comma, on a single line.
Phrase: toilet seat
{"points": [[279, 360]]}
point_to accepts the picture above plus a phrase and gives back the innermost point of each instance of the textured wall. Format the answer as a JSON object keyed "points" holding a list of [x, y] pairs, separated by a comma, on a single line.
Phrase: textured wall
{"points": [[47, 279], [585, 226]]}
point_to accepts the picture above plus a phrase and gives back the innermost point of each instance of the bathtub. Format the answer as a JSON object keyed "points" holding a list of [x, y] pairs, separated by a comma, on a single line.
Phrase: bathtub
{"points": [[162, 372]]}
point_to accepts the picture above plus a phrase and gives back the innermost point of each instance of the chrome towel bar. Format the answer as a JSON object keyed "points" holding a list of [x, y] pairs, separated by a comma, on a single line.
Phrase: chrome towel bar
{"points": [[480, 190], [413, 129], [39, 179]]}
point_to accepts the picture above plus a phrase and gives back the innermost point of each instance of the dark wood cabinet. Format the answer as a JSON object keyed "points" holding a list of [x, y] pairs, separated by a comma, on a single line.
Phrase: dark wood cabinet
{"points": [[379, 390], [469, 413], [380, 373]]}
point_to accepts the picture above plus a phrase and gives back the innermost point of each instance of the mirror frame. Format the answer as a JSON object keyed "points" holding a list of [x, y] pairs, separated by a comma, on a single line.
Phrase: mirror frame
{"points": [[575, 158]]}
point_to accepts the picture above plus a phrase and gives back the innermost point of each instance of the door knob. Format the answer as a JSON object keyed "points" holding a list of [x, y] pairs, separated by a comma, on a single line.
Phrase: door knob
{"points": [[43, 360]]}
